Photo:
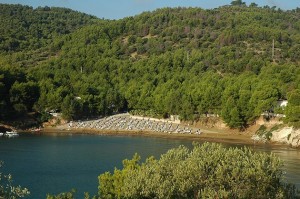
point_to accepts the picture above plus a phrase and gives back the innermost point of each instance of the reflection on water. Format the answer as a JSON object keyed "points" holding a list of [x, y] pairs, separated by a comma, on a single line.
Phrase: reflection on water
{"points": [[291, 159], [54, 164]]}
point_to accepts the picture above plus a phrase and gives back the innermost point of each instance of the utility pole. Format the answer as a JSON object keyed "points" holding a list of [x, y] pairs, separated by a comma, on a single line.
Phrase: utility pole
{"points": [[273, 49]]}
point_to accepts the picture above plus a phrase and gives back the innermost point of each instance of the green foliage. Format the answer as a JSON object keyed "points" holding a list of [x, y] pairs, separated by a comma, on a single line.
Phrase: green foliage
{"points": [[24, 94], [267, 134], [146, 113], [66, 195], [17, 96], [293, 108], [44, 117], [25, 28], [69, 107], [262, 129], [8, 190], [173, 61], [238, 3], [111, 185], [206, 171]]}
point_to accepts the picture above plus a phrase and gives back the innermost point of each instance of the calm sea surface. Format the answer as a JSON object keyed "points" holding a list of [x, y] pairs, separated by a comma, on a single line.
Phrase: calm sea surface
{"points": [[55, 163]]}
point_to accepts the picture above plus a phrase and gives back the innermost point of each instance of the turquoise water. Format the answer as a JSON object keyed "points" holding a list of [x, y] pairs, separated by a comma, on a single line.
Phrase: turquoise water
{"points": [[55, 163]]}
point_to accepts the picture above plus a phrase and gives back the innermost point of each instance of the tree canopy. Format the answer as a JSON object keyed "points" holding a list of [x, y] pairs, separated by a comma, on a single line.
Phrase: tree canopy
{"points": [[185, 61]]}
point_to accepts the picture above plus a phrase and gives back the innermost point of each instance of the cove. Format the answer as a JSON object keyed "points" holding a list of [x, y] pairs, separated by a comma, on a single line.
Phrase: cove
{"points": [[54, 163]]}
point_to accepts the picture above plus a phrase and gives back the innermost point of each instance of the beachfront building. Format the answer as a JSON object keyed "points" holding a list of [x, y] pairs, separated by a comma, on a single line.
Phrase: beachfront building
{"points": [[277, 111]]}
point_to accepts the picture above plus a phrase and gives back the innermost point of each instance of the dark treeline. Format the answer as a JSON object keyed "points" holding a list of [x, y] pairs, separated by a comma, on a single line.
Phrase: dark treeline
{"points": [[185, 61]]}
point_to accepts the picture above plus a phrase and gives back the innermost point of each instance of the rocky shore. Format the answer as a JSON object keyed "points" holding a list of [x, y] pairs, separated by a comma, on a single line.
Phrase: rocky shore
{"points": [[287, 135]]}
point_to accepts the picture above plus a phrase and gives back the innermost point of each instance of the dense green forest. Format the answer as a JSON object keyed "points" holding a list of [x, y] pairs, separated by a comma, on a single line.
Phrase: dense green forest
{"points": [[236, 61]]}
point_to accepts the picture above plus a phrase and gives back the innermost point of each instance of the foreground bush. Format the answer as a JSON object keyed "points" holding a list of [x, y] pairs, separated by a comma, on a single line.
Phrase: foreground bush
{"points": [[8, 190], [206, 171]]}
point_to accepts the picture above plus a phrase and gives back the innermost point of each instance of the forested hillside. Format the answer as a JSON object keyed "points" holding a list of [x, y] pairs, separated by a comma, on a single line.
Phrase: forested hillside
{"points": [[235, 61], [25, 28]]}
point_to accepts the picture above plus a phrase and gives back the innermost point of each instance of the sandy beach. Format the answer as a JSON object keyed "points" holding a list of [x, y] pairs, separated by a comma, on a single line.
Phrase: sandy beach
{"points": [[230, 138], [206, 135]]}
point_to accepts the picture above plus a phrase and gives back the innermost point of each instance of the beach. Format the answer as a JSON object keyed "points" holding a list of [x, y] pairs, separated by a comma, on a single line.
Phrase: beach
{"points": [[126, 125], [210, 137]]}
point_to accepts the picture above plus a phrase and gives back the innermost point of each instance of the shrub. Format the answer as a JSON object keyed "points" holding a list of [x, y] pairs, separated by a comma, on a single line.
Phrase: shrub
{"points": [[7, 190], [206, 171]]}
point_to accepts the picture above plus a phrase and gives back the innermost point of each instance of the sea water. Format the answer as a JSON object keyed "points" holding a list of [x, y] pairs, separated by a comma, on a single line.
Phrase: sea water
{"points": [[57, 163]]}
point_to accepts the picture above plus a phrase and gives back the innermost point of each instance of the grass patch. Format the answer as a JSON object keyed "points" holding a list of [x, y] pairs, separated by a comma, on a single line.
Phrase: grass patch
{"points": [[261, 131]]}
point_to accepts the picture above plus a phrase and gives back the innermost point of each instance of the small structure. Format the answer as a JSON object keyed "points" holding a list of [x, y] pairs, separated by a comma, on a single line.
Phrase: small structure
{"points": [[54, 113], [282, 103]]}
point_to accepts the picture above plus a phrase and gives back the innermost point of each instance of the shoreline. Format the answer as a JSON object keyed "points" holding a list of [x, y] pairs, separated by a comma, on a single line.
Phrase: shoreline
{"points": [[128, 125], [224, 137]]}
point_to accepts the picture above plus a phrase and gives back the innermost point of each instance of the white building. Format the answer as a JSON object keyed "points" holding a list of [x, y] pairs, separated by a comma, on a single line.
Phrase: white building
{"points": [[282, 103]]}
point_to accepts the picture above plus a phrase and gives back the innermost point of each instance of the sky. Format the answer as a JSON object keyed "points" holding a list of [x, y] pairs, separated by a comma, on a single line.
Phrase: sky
{"points": [[117, 9]]}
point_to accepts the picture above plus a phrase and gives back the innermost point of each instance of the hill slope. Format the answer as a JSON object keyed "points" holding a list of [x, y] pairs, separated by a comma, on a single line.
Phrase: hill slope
{"points": [[25, 28], [185, 61]]}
